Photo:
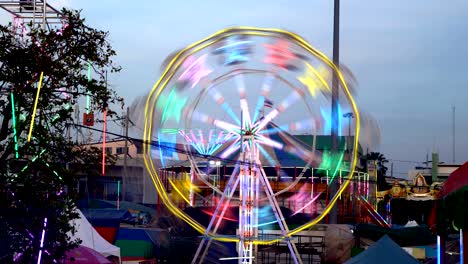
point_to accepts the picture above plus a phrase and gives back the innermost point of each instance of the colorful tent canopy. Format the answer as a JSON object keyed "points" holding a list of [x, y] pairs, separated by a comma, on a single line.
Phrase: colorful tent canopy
{"points": [[451, 206], [384, 251], [407, 236], [85, 255], [142, 243], [456, 181], [106, 221], [90, 238]]}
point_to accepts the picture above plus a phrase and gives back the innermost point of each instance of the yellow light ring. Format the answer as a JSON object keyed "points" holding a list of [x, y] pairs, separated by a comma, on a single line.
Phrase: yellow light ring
{"points": [[169, 73]]}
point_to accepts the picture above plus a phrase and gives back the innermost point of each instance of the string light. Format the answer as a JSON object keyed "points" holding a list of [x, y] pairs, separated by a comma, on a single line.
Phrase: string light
{"points": [[13, 114], [35, 106]]}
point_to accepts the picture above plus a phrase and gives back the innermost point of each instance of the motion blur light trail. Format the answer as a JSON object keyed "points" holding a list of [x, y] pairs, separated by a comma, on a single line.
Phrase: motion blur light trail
{"points": [[219, 102]]}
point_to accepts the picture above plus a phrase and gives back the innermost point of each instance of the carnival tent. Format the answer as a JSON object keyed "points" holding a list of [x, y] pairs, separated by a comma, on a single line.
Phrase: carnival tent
{"points": [[384, 251], [456, 181], [453, 201], [85, 255], [90, 237]]}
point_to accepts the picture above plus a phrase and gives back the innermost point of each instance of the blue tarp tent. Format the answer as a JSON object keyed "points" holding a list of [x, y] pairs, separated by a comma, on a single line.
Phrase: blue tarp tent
{"points": [[384, 251]]}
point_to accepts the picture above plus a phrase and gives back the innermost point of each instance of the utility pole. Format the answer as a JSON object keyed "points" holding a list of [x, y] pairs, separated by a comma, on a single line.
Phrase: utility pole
{"points": [[125, 153], [333, 217], [391, 169]]}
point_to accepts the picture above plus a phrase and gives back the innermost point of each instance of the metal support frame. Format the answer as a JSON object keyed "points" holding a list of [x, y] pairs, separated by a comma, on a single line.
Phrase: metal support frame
{"points": [[227, 194], [279, 217], [35, 11], [249, 175]]}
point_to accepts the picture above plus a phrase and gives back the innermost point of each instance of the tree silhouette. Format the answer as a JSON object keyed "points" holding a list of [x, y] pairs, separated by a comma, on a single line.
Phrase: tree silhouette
{"points": [[381, 168], [38, 176]]}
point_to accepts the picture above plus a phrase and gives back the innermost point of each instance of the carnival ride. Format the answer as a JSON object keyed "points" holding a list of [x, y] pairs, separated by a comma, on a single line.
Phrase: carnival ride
{"points": [[238, 97]]}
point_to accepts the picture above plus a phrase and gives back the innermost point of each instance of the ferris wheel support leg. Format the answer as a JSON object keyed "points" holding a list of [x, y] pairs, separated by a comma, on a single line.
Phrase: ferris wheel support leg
{"points": [[232, 185], [279, 217], [218, 222]]}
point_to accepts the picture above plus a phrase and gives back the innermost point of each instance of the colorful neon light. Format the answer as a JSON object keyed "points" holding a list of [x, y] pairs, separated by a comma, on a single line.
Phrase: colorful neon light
{"points": [[13, 114], [195, 70], [35, 106], [235, 50], [278, 54], [309, 79], [171, 107], [462, 253], [206, 147], [439, 259]]}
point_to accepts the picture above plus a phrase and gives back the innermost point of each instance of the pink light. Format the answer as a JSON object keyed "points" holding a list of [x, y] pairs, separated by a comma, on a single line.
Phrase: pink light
{"points": [[193, 137], [278, 54], [187, 138], [216, 95], [240, 86], [227, 137], [60, 32], [195, 70], [230, 149], [218, 216], [104, 143], [18, 23]]}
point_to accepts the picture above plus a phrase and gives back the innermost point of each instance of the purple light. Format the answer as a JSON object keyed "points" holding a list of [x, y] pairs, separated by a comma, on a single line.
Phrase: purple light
{"points": [[309, 203], [195, 70], [42, 241]]}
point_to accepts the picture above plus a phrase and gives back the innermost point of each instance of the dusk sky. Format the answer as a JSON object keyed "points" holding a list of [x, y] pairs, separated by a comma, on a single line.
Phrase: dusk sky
{"points": [[410, 57]]}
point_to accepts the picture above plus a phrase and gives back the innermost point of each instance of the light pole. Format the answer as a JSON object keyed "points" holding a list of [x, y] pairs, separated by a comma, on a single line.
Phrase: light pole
{"points": [[350, 116], [333, 217]]}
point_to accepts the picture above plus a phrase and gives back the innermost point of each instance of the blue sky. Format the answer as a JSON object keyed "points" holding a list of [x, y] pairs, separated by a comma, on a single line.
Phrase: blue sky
{"points": [[409, 56]]}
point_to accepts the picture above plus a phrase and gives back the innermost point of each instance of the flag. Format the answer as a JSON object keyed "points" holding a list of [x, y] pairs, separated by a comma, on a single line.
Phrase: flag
{"points": [[268, 103]]}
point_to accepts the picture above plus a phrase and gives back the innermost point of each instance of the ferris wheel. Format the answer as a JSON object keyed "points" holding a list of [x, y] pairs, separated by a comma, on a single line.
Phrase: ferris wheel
{"points": [[240, 97]]}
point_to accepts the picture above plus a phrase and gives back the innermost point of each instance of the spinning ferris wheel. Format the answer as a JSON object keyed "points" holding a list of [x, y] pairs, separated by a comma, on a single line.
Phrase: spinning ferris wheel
{"points": [[239, 97]]}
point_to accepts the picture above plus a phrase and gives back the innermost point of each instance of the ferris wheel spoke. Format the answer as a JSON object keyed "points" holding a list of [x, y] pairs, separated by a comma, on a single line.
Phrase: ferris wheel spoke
{"points": [[190, 141], [243, 102], [231, 149], [266, 87], [220, 100], [204, 118], [285, 104], [305, 124], [269, 142], [307, 204]]}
